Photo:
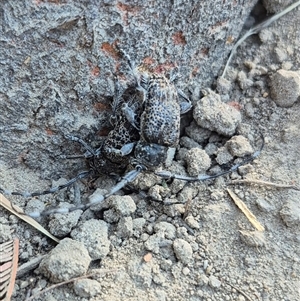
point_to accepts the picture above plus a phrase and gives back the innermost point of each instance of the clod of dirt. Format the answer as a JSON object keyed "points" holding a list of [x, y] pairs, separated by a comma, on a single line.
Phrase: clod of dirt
{"points": [[183, 251], [211, 149], [239, 146], [223, 156], [62, 224], [244, 81], [35, 205], [157, 241], [197, 133], [191, 222], [94, 235], [122, 205], [5, 233], [290, 213], [67, 260], [87, 288], [214, 282], [167, 229], [138, 224], [253, 238], [197, 161], [165, 233], [174, 210], [125, 227], [281, 54], [187, 193], [158, 192], [249, 110], [264, 205], [202, 280], [223, 86], [285, 88], [211, 113], [146, 180], [188, 142]]}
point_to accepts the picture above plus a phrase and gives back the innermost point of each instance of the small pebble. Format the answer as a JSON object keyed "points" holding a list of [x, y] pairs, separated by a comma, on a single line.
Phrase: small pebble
{"points": [[290, 213], [87, 288], [285, 88], [214, 282], [197, 161], [239, 146], [148, 257], [183, 251]]}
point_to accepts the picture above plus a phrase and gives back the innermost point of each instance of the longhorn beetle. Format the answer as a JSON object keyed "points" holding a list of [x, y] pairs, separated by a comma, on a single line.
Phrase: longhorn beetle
{"points": [[144, 144]]}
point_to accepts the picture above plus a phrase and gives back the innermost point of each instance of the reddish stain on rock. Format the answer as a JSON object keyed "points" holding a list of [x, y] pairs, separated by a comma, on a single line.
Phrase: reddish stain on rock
{"points": [[100, 107], [194, 72], [162, 68], [179, 38], [235, 105], [148, 60], [204, 51], [110, 50], [49, 132], [126, 10], [95, 71]]}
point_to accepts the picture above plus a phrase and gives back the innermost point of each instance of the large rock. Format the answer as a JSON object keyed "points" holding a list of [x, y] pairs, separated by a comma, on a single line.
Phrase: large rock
{"points": [[58, 63], [67, 260]]}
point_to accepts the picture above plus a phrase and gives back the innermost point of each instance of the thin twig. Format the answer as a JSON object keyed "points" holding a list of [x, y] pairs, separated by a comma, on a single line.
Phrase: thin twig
{"points": [[265, 183], [238, 290], [242, 206], [28, 266], [187, 206], [92, 274], [256, 29]]}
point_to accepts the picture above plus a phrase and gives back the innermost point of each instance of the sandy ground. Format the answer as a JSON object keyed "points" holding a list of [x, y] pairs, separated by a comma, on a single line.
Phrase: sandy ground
{"points": [[205, 249]]}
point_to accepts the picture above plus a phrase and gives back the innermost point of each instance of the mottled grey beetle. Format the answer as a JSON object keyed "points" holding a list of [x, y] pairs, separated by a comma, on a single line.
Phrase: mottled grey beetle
{"points": [[146, 131]]}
